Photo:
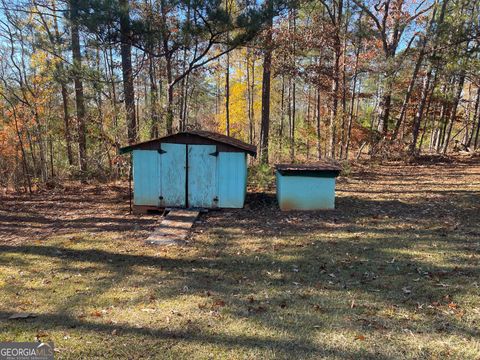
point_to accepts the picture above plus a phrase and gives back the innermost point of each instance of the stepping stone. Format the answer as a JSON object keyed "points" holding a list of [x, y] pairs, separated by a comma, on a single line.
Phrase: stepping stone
{"points": [[174, 228]]}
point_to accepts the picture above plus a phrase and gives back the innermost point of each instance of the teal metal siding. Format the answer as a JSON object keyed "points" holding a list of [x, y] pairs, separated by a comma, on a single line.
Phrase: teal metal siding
{"points": [[146, 177], [305, 192], [214, 179], [202, 176], [173, 175], [232, 179]]}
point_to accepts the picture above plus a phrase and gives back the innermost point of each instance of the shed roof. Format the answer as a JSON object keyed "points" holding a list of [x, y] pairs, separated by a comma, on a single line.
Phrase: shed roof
{"points": [[320, 166], [212, 136]]}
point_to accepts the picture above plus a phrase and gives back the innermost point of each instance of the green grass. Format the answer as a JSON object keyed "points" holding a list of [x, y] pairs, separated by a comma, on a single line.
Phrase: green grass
{"points": [[392, 273]]}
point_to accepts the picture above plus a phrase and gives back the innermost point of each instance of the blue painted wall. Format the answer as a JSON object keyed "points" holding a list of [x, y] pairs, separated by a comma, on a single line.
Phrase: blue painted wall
{"points": [[305, 192], [202, 176], [146, 177], [213, 181], [232, 179]]}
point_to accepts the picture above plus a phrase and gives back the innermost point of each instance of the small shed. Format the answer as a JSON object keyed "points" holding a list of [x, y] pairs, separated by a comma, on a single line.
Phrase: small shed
{"points": [[306, 186], [192, 169]]}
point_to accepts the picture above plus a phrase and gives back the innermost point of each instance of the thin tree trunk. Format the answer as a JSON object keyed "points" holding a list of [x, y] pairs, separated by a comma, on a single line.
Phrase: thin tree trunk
{"points": [[154, 129], [336, 80], [227, 96], [292, 127], [307, 125], [416, 69], [419, 114], [476, 115], [63, 86], [267, 63], [79, 96], [344, 86], [319, 118], [453, 113], [443, 115], [227, 80], [169, 122], [282, 117], [352, 102], [250, 94]]}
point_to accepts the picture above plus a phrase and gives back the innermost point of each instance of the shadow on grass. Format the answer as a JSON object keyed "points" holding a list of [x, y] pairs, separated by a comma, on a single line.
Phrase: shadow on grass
{"points": [[62, 321]]}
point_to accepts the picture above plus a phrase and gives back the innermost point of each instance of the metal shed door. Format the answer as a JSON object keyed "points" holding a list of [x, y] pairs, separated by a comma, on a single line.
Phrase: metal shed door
{"points": [[202, 176], [173, 175]]}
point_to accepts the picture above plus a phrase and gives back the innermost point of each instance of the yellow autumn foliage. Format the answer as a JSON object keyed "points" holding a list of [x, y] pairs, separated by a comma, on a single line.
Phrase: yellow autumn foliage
{"points": [[239, 117]]}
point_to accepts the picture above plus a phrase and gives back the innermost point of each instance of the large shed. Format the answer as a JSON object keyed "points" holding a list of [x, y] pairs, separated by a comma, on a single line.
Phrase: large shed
{"points": [[192, 169]]}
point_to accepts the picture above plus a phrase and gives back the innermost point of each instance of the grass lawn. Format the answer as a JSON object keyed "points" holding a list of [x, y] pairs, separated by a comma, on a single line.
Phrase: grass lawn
{"points": [[393, 272]]}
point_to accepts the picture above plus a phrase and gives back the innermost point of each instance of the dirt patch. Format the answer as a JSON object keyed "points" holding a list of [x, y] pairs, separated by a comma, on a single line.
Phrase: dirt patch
{"points": [[74, 208]]}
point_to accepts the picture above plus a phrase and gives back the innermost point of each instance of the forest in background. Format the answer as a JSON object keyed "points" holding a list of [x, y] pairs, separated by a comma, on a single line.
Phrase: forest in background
{"points": [[302, 80]]}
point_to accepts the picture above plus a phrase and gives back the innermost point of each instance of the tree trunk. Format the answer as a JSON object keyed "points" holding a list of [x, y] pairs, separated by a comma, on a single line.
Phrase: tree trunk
{"points": [[64, 90], [419, 114], [127, 72], [282, 118], [476, 115], [344, 87], [336, 80], [267, 62], [227, 96], [250, 93], [453, 113], [79, 96], [384, 108], [307, 120], [319, 118], [66, 122], [411, 85], [154, 129], [294, 91], [169, 122], [442, 124]]}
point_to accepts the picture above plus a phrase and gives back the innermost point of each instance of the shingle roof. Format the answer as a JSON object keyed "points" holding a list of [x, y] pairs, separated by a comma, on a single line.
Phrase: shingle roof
{"points": [[228, 140], [225, 139], [323, 165]]}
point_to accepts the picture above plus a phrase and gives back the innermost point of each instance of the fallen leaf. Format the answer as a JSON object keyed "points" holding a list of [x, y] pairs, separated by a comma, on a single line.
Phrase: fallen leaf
{"points": [[452, 305], [360, 337], [219, 303]]}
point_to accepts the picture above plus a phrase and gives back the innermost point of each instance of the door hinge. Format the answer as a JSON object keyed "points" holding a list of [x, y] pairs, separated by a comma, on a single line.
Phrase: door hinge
{"points": [[160, 151], [214, 153]]}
